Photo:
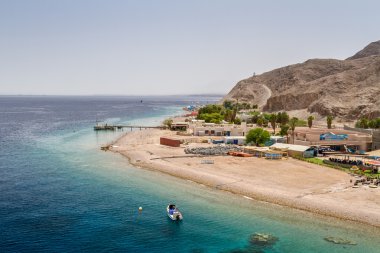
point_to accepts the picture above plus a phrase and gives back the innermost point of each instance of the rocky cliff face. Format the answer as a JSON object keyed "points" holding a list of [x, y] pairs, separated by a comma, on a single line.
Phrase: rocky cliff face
{"points": [[346, 89]]}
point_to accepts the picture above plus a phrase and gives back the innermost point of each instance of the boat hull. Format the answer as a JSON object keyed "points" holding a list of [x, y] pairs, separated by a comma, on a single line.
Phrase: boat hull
{"points": [[175, 215]]}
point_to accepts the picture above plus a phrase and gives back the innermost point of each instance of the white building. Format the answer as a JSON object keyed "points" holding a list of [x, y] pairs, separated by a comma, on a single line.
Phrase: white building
{"points": [[237, 140], [212, 129]]}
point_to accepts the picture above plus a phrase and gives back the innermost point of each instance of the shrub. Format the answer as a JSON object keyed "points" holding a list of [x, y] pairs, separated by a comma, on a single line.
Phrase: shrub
{"points": [[258, 136]]}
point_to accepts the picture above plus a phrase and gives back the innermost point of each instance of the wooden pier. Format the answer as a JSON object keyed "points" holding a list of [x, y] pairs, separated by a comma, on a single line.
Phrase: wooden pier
{"points": [[116, 127]]}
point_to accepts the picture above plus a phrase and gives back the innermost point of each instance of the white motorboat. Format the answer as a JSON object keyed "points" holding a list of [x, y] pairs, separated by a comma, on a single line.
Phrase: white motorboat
{"points": [[173, 212]]}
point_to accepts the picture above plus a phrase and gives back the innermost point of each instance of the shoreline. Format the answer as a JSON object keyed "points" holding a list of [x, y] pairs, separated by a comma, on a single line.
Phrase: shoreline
{"points": [[335, 198]]}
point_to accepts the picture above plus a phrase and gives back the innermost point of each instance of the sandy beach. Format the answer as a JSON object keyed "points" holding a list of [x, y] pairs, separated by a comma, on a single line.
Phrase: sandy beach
{"points": [[288, 182]]}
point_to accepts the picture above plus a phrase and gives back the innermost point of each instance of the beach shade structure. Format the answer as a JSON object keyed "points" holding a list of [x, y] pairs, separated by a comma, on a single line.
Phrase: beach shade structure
{"points": [[273, 156], [354, 168], [374, 162]]}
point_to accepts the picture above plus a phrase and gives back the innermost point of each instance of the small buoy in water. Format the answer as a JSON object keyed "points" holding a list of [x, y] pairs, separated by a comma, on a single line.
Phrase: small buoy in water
{"points": [[140, 208]]}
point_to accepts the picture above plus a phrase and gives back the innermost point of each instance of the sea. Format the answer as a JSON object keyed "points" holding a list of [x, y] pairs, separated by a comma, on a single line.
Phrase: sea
{"points": [[60, 193]]}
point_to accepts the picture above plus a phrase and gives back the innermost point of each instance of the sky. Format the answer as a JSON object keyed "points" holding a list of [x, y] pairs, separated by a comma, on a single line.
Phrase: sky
{"points": [[168, 47]]}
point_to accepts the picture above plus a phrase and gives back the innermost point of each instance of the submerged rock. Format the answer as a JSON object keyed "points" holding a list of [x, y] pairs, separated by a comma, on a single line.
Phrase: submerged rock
{"points": [[258, 243], [263, 239], [338, 240], [245, 250]]}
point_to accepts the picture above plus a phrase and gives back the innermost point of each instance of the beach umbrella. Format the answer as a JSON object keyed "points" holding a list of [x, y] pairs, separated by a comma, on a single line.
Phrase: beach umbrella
{"points": [[354, 167]]}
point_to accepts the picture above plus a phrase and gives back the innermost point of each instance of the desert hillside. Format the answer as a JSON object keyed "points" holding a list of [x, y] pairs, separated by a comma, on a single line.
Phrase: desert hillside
{"points": [[346, 89]]}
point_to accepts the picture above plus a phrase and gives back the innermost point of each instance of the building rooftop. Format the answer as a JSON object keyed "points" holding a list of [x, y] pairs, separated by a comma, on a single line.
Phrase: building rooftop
{"points": [[234, 137], [276, 137], [180, 123], [293, 147], [374, 153], [307, 130], [257, 148]]}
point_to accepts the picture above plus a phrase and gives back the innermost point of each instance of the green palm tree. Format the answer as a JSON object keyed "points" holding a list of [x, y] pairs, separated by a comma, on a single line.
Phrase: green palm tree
{"points": [[292, 124], [329, 120], [260, 121], [310, 121], [273, 119]]}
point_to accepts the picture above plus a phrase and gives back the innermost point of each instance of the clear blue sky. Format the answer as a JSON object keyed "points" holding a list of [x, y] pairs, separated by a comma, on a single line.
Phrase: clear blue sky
{"points": [[157, 47]]}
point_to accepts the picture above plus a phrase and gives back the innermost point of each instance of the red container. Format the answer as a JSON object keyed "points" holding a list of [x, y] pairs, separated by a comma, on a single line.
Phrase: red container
{"points": [[170, 142]]}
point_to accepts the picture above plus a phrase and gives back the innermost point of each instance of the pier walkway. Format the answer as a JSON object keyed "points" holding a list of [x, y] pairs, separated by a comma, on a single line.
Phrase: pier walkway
{"points": [[115, 127]]}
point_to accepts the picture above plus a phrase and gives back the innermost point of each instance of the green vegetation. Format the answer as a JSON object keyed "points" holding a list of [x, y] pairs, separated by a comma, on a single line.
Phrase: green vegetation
{"points": [[229, 115], [284, 130], [273, 121], [315, 160], [258, 136], [237, 121], [260, 122], [214, 113], [282, 118], [258, 118], [211, 117], [301, 123], [329, 120], [210, 109], [292, 125], [168, 123], [229, 104], [367, 123], [310, 121], [318, 161], [326, 163], [264, 119]]}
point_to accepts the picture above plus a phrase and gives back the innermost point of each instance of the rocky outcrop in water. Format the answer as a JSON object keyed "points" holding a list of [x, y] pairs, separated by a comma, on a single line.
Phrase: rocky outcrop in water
{"points": [[258, 243], [346, 89], [263, 239], [338, 240]]}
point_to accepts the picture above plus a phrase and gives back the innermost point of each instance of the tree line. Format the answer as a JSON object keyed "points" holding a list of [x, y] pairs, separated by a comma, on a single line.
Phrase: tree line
{"points": [[214, 113], [368, 123]]}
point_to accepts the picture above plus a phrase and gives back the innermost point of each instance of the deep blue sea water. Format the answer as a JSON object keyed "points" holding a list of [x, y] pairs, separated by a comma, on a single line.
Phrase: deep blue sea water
{"points": [[60, 193]]}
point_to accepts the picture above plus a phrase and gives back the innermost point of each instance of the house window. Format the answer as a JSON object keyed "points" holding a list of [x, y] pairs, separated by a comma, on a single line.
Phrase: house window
{"points": [[206, 131], [212, 131]]}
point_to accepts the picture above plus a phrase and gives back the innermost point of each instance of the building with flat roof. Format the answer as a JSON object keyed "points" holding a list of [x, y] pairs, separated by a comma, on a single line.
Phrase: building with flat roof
{"points": [[179, 126], [237, 140], [212, 129], [265, 152], [337, 139], [294, 150]]}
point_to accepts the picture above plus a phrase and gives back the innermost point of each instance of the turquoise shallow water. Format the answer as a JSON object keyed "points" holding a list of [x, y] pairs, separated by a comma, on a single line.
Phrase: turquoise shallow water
{"points": [[60, 193]]}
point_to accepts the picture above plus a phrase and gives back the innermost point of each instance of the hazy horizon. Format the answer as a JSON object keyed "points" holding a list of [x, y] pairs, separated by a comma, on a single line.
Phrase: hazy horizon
{"points": [[167, 47], [111, 95]]}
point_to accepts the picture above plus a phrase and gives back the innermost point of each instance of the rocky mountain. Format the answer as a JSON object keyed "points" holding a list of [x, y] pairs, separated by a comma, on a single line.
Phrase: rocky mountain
{"points": [[372, 49], [346, 89]]}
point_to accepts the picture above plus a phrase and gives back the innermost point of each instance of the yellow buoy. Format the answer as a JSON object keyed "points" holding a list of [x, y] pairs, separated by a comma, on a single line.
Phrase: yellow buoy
{"points": [[140, 208]]}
